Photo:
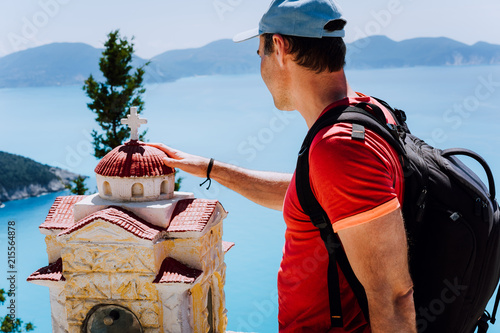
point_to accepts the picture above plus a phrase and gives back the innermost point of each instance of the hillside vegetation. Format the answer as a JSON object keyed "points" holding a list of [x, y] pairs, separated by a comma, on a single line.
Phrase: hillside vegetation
{"points": [[21, 177]]}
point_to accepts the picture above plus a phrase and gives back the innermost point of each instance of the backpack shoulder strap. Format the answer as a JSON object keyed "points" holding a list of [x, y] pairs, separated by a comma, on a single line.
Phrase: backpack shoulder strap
{"points": [[358, 115], [320, 219], [398, 115]]}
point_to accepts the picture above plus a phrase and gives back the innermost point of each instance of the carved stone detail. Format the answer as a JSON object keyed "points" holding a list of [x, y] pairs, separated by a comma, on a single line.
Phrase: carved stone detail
{"points": [[149, 313], [213, 254], [133, 287], [74, 329], [88, 286], [110, 259], [172, 313], [58, 307], [77, 310]]}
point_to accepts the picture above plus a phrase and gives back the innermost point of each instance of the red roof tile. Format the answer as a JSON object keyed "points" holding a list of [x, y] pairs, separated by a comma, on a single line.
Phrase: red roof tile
{"points": [[172, 271], [226, 246], [61, 213], [133, 159], [52, 272], [122, 218], [191, 215]]}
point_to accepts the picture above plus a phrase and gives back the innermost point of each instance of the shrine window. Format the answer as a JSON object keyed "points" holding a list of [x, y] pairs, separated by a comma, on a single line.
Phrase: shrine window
{"points": [[164, 187], [107, 189], [137, 190]]}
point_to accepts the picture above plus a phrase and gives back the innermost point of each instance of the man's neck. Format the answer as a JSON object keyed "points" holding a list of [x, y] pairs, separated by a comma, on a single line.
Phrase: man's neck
{"points": [[314, 92]]}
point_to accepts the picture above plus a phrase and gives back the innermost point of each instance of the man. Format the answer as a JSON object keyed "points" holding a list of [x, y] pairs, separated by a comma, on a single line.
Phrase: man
{"points": [[358, 183]]}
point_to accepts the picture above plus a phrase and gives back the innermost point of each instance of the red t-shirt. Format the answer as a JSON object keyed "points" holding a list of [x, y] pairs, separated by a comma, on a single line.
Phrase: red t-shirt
{"points": [[355, 182]]}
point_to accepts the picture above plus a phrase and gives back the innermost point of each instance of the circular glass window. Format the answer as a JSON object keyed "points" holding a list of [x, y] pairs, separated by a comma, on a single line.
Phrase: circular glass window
{"points": [[111, 319]]}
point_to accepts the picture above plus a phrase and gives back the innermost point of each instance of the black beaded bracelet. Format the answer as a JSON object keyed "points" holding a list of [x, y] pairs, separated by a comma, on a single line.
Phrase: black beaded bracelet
{"points": [[209, 169]]}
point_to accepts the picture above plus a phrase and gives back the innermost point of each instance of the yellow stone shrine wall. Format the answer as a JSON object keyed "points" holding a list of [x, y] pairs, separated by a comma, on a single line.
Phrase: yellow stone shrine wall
{"points": [[212, 260], [118, 273], [100, 270], [53, 248]]}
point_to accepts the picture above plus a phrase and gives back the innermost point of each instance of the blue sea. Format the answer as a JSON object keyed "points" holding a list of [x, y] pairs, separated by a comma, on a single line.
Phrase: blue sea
{"points": [[232, 119]]}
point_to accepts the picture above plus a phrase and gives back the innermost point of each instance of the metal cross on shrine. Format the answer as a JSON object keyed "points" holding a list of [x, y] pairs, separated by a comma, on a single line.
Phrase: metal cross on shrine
{"points": [[134, 122]]}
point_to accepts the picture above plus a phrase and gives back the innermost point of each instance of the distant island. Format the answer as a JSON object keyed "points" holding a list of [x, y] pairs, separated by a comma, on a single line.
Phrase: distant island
{"points": [[60, 64], [21, 177]]}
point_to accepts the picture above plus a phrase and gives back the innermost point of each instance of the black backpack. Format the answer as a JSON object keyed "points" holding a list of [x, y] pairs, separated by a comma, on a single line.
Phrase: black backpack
{"points": [[452, 221]]}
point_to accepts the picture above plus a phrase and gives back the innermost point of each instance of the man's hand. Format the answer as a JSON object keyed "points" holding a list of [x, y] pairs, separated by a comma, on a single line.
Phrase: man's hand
{"points": [[263, 187], [195, 165]]}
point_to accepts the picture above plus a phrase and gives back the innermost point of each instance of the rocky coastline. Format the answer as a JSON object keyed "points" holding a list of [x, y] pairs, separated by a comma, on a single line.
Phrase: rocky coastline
{"points": [[32, 190], [34, 181]]}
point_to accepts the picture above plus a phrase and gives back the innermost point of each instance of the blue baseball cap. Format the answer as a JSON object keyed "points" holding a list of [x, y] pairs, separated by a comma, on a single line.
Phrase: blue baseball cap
{"points": [[303, 18]]}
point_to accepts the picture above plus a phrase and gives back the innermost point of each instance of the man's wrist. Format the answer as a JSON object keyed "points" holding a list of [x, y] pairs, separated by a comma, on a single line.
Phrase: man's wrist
{"points": [[209, 170]]}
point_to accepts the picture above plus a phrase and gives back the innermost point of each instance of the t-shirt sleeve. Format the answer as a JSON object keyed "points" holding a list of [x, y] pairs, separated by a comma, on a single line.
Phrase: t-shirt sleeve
{"points": [[351, 180]]}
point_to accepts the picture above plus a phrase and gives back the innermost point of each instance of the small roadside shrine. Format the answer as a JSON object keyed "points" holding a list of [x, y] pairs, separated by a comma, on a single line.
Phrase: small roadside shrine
{"points": [[136, 256]]}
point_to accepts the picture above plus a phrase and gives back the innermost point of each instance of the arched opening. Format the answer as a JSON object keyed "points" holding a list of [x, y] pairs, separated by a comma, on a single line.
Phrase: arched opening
{"points": [[137, 190], [107, 189], [164, 187], [210, 310]]}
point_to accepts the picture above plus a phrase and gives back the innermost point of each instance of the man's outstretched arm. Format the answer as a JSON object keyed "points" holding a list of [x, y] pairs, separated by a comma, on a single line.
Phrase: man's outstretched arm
{"points": [[263, 187], [378, 254]]}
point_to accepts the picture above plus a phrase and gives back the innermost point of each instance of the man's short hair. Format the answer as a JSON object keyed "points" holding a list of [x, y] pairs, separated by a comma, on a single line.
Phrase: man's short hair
{"points": [[316, 54]]}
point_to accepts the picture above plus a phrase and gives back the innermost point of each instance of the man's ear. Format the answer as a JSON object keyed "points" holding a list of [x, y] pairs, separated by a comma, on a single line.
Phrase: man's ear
{"points": [[281, 49]]}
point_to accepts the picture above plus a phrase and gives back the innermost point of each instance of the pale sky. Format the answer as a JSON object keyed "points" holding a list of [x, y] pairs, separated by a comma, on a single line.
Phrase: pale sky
{"points": [[161, 25]]}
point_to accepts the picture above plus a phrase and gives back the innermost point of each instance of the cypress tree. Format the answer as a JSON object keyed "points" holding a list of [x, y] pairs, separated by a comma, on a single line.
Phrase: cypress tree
{"points": [[112, 99], [77, 186]]}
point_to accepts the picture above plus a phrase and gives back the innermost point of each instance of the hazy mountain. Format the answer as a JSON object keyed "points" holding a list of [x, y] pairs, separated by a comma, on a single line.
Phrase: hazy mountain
{"points": [[49, 65], [220, 57], [382, 52], [56, 64], [71, 63]]}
